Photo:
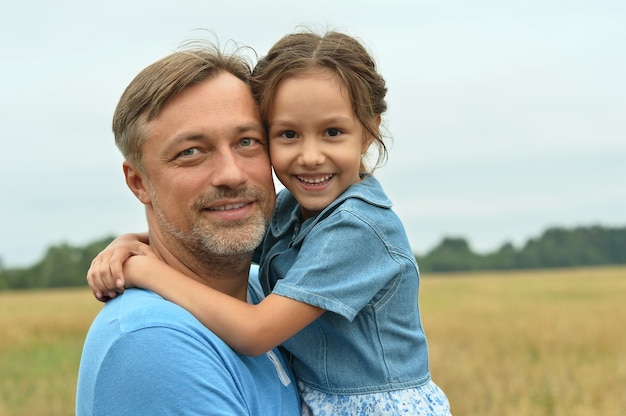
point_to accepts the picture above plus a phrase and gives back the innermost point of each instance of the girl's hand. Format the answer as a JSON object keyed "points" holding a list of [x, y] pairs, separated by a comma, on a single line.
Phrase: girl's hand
{"points": [[105, 276]]}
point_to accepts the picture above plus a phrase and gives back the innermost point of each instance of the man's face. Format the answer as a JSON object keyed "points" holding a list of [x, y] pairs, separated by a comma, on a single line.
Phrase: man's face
{"points": [[208, 183]]}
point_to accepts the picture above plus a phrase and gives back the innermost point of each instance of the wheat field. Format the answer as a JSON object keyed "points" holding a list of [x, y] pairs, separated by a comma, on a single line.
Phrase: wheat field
{"points": [[529, 343], [549, 342]]}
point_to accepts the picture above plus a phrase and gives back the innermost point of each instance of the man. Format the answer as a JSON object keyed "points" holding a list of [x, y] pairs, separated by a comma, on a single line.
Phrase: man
{"points": [[196, 157]]}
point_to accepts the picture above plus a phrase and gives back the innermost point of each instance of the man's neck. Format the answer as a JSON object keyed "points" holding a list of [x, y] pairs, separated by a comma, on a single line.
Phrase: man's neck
{"points": [[228, 274]]}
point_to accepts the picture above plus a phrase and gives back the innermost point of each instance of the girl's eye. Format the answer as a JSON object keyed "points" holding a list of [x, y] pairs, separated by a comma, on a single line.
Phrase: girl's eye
{"points": [[289, 134], [333, 132]]}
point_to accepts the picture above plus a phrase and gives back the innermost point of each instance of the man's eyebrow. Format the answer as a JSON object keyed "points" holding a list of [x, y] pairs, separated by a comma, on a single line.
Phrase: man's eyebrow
{"points": [[190, 136], [186, 137], [256, 127], [182, 138]]}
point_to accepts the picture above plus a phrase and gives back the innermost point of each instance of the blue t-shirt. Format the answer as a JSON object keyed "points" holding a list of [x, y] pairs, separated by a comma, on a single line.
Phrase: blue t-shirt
{"points": [[354, 260], [146, 356]]}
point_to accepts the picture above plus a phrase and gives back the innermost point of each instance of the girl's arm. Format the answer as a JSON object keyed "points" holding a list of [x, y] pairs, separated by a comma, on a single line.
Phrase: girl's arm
{"points": [[248, 329], [105, 275]]}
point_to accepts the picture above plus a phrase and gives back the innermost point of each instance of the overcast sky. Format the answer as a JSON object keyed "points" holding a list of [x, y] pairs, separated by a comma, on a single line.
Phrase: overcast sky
{"points": [[507, 117]]}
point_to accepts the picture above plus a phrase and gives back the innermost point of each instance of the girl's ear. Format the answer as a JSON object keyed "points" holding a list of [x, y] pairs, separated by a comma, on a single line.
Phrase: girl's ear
{"points": [[136, 183], [368, 139]]}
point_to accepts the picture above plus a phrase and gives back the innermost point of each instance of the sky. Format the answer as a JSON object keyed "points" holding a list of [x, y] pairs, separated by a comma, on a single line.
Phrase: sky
{"points": [[505, 117]]}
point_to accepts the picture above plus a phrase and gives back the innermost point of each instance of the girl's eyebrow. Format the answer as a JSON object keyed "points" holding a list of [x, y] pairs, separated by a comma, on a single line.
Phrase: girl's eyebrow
{"points": [[328, 120]]}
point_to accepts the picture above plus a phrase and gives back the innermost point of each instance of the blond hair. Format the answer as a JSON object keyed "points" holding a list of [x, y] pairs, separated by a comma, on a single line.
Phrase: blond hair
{"points": [[159, 83]]}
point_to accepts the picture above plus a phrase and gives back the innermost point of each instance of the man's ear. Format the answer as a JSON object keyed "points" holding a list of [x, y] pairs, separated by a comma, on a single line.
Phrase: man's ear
{"points": [[136, 183]]}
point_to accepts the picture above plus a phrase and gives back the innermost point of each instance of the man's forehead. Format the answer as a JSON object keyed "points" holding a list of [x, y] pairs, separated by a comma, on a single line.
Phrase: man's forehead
{"points": [[216, 104]]}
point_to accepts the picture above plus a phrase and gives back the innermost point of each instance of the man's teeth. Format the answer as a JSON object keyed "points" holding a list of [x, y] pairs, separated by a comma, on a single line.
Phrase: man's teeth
{"points": [[227, 207], [316, 180]]}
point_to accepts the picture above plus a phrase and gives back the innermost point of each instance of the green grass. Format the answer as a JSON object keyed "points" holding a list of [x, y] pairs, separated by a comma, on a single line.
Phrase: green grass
{"points": [[549, 342]]}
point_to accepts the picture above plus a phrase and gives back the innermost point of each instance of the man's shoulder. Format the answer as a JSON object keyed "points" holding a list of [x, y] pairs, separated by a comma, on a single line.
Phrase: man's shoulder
{"points": [[143, 307], [140, 311], [142, 347]]}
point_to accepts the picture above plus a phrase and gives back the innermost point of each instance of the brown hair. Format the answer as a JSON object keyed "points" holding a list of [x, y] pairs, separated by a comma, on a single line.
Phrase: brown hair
{"points": [[338, 52], [159, 83]]}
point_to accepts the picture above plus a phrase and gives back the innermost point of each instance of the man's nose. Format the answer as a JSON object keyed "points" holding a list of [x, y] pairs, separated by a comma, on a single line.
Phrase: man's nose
{"points": [[229, 171]]}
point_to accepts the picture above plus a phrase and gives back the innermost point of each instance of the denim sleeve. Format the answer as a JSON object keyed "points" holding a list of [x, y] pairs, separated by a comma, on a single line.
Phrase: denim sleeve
{"points": [[344, 263]]}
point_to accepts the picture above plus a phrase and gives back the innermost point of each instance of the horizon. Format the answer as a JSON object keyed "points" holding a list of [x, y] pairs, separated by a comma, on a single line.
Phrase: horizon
{"points": [[506, 119]]}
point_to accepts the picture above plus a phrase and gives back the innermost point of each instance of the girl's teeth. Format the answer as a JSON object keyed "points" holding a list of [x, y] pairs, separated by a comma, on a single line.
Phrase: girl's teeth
{"points": [[315, 181]]}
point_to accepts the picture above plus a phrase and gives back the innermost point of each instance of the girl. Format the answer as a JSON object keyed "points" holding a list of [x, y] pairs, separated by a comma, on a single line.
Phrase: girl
{"points": [[340, 277]]}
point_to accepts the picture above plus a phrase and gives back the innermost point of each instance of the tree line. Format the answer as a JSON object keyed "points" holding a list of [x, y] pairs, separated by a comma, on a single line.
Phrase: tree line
{"points": [[556, 247], [65, 265]]}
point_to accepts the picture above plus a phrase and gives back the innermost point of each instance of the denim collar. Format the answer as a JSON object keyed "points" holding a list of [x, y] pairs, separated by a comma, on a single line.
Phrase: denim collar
{"points": [[286, 216]]}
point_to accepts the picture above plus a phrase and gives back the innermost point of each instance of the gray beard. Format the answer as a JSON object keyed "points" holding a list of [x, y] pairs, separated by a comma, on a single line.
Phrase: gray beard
{"points": [[204, 241], [238, 238]]}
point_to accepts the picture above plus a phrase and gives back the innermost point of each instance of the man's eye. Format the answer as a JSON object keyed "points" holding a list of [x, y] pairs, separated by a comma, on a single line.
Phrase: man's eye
{"points": [[189, 152], [246, 142]]}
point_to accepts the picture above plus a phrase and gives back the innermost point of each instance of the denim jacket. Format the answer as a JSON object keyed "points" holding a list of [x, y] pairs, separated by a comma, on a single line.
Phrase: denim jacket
{"points": [[354, 260]]}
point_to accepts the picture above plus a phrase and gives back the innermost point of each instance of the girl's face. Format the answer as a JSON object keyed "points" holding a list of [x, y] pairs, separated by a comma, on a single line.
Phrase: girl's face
{"points": [[316, 140]]}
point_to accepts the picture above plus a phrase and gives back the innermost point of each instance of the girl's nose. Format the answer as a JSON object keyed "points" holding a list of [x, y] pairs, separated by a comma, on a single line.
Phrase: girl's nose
{"points": [[311, 153]]}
